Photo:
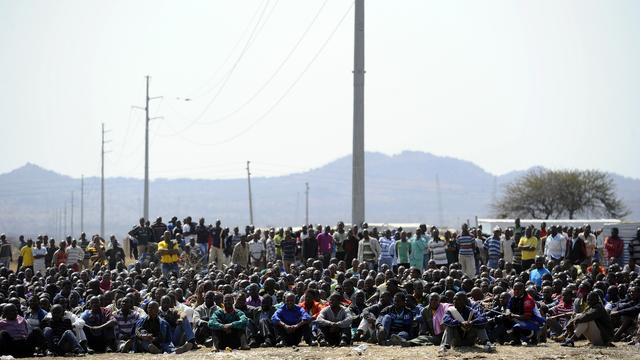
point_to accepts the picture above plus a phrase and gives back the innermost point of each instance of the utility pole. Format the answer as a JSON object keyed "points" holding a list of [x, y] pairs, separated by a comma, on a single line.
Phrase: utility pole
{"points": [[439, 195], [146, 147], [82, 204], [250, 198], [306, 211], [64, 226], [102, 184], [357, 191], [72, 206]]}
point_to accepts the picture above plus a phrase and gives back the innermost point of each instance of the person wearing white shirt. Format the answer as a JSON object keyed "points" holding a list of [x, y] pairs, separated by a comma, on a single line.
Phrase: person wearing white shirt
{"points": [[257, 252], [556, 245], [39, 252]]}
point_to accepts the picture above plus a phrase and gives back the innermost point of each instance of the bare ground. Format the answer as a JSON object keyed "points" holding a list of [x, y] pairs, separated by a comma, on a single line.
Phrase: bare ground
{"points": [[542, 351]]}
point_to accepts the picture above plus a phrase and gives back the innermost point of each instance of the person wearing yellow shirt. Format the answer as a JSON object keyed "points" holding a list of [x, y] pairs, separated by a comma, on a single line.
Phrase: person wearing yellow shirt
{"points": [[527, 245], [169, 253], [27, 255]]}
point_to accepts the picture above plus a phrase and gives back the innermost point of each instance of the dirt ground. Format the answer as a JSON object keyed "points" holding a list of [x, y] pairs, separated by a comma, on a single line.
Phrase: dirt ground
{"points": [[542, 351]]}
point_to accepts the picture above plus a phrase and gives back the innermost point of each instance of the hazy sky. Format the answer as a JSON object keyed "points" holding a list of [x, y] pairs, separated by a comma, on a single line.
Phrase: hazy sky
{"points": [[505, 84]]}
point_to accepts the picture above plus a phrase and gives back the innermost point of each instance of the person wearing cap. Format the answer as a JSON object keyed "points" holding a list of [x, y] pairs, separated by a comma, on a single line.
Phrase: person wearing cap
{"points": [[493, 248]]}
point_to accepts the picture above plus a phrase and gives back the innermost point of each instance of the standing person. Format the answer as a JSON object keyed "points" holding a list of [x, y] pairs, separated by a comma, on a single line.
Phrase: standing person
{"points": [[437, 248], [506, 246], [590, 243], [51, 249], [614, 247], [169, 253], [39, 253], [555, 247], [217, 245], [494, 245], [527, 246], [418, 244], [310, 246], [577, 252], [403, 247], [115, 254], [240, 254], [60, 256], [634, 248], [270, 246], [143, 235], [158, 228], [75, 256], [340, 237], [451, 247], [387, 250], [466, 245], [368, 249], [288, 245], [6, 256], [27, 255], [350, 245], [325, 246], [257, 252], [202, 238]]}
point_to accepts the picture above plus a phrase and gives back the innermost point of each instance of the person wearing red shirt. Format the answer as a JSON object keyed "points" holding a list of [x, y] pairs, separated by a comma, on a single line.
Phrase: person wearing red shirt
{"points": [[614, 246], [522, 309]]}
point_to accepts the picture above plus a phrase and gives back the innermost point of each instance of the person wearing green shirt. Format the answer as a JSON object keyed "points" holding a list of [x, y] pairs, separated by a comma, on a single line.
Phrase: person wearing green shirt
{"points": [[418, 244], [403, 247], [228, 326]]}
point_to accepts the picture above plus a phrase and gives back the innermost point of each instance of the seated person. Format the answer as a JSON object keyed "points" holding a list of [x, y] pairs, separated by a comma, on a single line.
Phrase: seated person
{"points": [[464, 326], [334, 323], [292, 323], [202, 315], [261, 329], [17, 338], [497, 322], [524, 318], [229, 326], [431, 329], [99, 326], [594, 323], [626, 311], [59, 332], [395, 321], [152, 332], [126, 319], [560, 314], [181, 331], [367, 328]]}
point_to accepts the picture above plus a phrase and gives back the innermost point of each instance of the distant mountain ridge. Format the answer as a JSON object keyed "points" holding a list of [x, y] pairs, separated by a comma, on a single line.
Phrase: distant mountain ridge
{"points": [[399, 188]]}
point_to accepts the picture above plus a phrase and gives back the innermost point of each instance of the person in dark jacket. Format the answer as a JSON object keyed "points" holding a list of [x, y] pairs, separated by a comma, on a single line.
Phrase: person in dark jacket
{"points": [[260, 328], [577, 253], [464, 326], [594, 323], [627, 310]]}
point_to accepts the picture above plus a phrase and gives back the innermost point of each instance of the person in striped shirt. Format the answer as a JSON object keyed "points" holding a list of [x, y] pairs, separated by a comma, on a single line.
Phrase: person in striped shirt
{"points": [[126, 319], [437, 248], [493, 248], [466, 245]]}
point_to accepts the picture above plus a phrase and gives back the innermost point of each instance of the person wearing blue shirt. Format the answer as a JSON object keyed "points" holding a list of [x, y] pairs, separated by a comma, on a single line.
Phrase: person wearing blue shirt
{"points": [[292, 323], [539, 272]]}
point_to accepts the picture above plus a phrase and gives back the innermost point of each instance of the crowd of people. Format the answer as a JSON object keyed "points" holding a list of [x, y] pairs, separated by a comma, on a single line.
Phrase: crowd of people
{"points": [[184, 285]]}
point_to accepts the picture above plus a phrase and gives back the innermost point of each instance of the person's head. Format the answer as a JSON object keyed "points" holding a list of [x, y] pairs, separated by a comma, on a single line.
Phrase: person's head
{"points": [[126, 303], [334, 301], [290, 300], [228, 301], [10, 311], [399, 300], [434, 301], [528, 232], [140, 221], [539, 262], [166, 302], [518, 289], [57, 312], [153, 308], [385, 298], [94, 303], [615, 231], [460, 300], [593, 299]]}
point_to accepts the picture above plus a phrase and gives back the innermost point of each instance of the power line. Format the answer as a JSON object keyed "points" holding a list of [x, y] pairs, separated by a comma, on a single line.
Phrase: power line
{"points": [[275, 73], [229, 74], [285, 94]]}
